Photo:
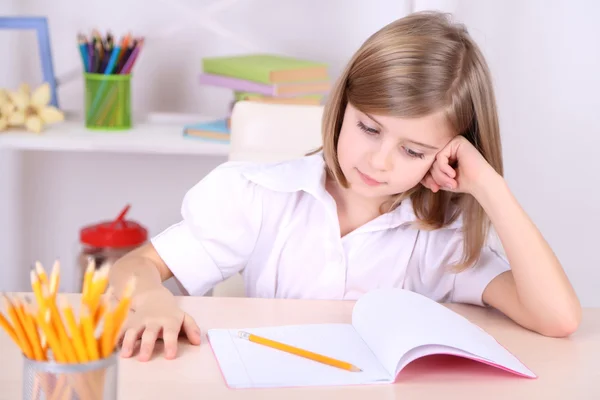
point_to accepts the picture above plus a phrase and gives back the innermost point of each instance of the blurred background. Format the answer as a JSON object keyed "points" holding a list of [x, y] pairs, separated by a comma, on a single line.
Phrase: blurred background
{"points": [[544, 58]]}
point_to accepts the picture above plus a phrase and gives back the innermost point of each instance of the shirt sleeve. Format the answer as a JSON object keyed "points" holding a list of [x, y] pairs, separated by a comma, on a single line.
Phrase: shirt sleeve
{"points": [[470, 284], [221, 218], [432, 274]]}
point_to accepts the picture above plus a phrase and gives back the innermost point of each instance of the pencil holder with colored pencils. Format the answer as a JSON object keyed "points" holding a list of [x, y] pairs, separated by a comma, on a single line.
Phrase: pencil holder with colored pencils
{"points": [[107, 101], [108, 64], [68, 343]]}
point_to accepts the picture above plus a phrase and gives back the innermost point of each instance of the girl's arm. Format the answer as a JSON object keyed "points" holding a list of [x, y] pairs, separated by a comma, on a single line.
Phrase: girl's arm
{"points": [[536, 293], [146, 265], [155, 310]]}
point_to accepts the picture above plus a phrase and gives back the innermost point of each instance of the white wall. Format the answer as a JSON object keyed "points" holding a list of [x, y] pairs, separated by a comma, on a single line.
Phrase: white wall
{"points": [[11, 262], [546, 68], [545, 60], [543, 55]]}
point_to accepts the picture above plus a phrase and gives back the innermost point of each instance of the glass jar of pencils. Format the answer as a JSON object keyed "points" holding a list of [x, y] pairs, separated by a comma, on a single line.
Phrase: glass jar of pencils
{"points": [[107, 241], [94, 380], [108, 101], [68, 342]]}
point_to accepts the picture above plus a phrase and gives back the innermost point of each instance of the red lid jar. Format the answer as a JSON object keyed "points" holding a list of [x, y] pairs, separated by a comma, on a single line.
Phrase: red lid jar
{"points": [[117, 234], [107, 241]]}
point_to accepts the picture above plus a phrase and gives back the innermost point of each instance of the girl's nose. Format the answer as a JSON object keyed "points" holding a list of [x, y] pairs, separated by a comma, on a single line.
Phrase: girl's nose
{"points": [[381, 159]]}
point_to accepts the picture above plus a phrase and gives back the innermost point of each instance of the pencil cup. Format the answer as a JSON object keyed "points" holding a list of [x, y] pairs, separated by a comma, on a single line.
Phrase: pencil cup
{"points": [[108, 101], [96, 380]]}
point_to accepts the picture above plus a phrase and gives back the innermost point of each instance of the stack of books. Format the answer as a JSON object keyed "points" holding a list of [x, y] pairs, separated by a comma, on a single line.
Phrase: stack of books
{"points": [[266, 78]]}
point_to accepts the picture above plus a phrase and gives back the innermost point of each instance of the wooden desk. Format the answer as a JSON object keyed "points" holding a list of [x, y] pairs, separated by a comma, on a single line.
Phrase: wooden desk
{"points": [[567, 368]]}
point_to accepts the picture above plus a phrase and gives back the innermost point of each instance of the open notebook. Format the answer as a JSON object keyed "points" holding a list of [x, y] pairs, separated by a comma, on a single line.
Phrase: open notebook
{"points": [[389, 329]]}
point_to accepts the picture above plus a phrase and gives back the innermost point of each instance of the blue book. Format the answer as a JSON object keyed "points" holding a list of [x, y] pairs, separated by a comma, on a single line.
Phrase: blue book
{"points": [[217, 130]]}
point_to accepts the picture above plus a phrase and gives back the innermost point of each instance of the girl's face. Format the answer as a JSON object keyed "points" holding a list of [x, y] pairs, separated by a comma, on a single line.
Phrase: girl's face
{"points": [[382, 156]]}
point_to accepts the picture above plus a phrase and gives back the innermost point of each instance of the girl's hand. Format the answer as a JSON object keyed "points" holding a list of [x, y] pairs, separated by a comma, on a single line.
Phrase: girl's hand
{"points": [[157, 315], [458, 167]]}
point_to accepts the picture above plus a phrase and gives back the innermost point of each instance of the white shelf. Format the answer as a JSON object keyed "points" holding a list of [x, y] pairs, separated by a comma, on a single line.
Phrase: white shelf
{"points": [[144, 138]]}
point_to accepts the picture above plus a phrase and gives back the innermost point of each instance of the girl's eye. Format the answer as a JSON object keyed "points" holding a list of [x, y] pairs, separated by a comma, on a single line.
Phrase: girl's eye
{"points": [[412, 154], [369, 131]]}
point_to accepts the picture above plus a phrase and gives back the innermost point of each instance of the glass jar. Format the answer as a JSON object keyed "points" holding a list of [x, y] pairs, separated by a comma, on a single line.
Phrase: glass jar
{"points": [[91, 380], [107, 241]]}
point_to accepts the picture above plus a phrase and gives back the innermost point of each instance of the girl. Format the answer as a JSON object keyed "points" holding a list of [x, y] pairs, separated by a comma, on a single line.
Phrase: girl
{"points": [[401, 195]]}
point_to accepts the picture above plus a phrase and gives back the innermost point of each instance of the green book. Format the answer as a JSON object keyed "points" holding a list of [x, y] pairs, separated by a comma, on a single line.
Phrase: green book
{"points": [[266, 68]]}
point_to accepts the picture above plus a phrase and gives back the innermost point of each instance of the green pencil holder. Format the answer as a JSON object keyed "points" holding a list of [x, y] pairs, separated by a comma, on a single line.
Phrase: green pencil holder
{"points": [[107, 101]]}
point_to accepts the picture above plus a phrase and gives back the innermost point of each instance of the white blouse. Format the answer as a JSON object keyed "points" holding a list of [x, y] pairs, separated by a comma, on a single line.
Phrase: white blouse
{"points": [[277, 225]]}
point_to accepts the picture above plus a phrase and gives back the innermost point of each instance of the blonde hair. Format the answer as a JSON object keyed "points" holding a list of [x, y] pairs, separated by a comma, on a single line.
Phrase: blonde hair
{"points": [[413, 67]]}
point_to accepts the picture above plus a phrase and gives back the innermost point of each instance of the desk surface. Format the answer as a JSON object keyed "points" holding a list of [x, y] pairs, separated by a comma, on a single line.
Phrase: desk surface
{"points": [[567, 368]]}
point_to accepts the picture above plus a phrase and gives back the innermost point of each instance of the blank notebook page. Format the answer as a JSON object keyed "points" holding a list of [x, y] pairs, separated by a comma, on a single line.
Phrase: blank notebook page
{"points": [[411, 321], [245, 364]]}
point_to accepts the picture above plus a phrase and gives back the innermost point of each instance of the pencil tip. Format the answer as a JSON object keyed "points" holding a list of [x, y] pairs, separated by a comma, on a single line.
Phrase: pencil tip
{"points": [[243, 335]]}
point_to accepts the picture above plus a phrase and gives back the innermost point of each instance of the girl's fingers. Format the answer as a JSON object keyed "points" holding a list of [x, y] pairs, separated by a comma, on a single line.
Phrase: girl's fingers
{"points": [[429, 183], [191, 329], [170, 336], [441, 179], [448, 170], [148, 341], [130, 338]]}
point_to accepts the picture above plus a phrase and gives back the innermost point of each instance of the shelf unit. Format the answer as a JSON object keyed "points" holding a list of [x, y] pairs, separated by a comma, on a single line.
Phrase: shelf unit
{"points": [[143, 138]]}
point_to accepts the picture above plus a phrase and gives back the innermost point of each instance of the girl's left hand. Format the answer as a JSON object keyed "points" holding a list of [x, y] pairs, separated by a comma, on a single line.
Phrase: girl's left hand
{"points": [[458, 167]]}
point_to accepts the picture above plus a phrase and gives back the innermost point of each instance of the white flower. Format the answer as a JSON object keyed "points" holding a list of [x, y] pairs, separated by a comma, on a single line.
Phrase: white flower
{"points": [[32, 109], [6, 108]]}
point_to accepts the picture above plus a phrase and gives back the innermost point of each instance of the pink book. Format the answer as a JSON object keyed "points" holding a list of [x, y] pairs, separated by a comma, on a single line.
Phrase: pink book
{"points": [[390, 328], [275, 89]]}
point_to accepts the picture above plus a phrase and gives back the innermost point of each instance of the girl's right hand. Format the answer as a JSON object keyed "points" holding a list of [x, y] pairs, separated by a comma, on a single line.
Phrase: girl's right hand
{"points": [[157, 315]]}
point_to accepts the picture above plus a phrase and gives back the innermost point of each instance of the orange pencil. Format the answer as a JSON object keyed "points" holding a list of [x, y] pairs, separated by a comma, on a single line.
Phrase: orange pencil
{"points": [[299, 352], [124, 44]]}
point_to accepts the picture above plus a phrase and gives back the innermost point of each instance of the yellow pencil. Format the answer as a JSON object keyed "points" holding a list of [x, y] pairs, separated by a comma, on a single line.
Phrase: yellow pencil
{"points": [[299, 352], [55, 279], [122, 309], [87, 327], [87, 279], [36, 285], [41, 273], [76, 336], [98, 286], [9, 329], [43, 341], [100, 311], [13, 315], [106, 340], [43, 321], [32, 333], [57, 324]]}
